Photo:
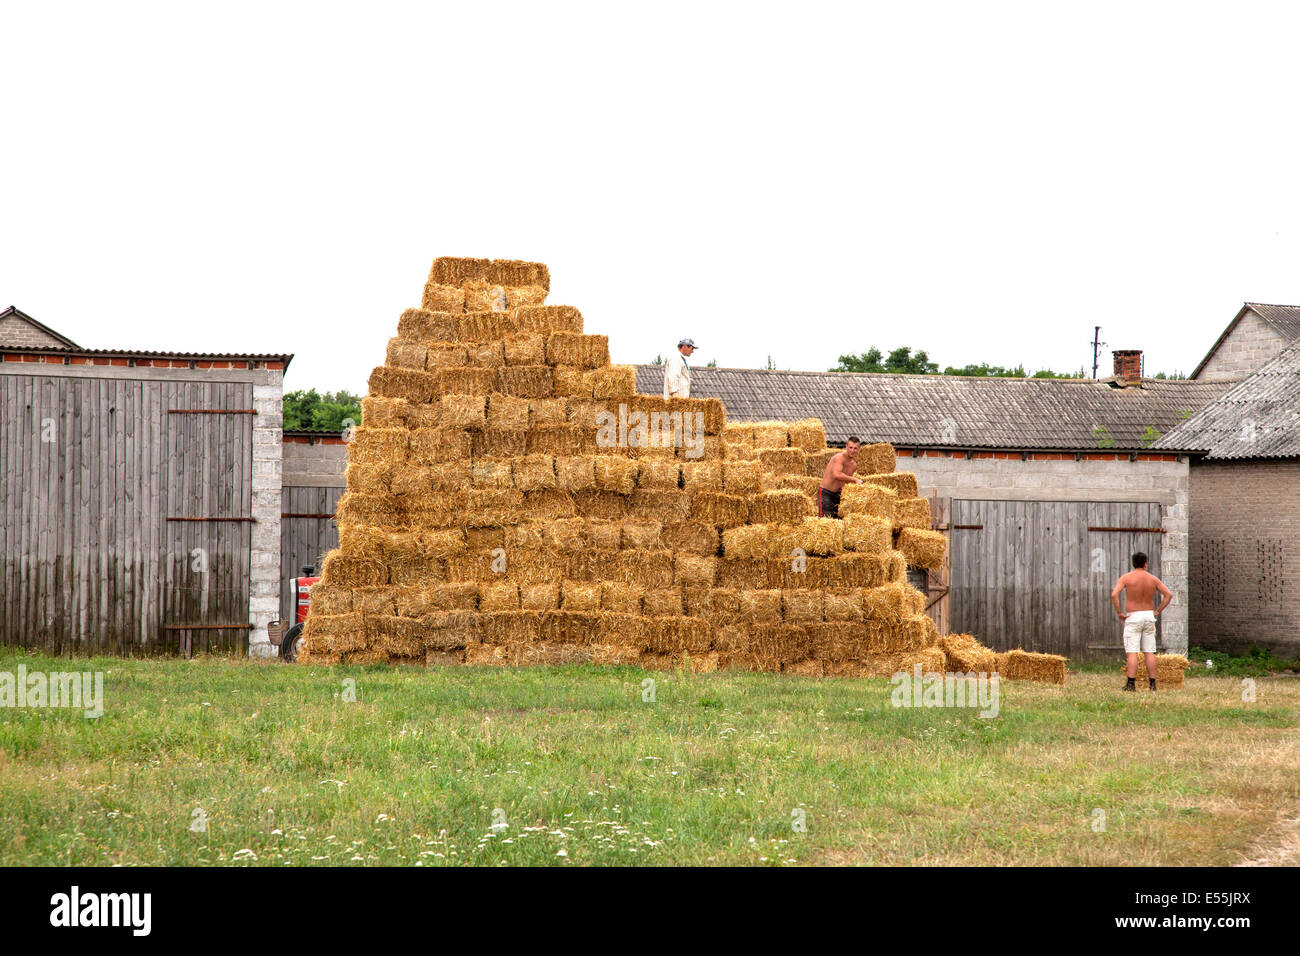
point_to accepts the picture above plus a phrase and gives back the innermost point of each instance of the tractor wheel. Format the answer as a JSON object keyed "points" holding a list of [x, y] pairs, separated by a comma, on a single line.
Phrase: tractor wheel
{"points": [[291, 644]]}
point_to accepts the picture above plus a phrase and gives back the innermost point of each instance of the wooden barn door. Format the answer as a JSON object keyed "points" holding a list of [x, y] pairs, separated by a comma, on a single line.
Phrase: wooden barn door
{"points": [[307, 534], [1038, 574], [208, 520]]}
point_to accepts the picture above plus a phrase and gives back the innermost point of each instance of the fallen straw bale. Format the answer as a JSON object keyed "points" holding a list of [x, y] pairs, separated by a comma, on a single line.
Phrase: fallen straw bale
{"points": [[923, 549], [1022, 665], [964, 654]]}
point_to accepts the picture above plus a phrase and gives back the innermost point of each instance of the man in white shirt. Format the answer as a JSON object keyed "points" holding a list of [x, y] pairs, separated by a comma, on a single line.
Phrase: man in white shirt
{"points": [[677, 374]]}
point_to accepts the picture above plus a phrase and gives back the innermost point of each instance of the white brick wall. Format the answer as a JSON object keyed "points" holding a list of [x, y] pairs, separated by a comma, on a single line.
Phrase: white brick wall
{"points": [[1250, 345], [264, 597]]}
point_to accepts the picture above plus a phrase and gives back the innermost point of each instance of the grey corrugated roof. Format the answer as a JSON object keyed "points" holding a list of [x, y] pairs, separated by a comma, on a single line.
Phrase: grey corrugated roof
{"points": [[1285, 319], [954, 411], [1255, 418]]}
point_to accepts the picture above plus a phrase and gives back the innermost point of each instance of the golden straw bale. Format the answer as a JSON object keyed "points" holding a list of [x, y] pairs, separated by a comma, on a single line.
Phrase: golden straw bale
{"points": [[615, 655], [436, 543], [802, 606], [577, 350], [571, 382], [760, 606], [620, 598], [445, 355], [877, 459], [516, 273], [695, 570], [564, 534], [964, 654], [498, 442], [768, 435], [803, 572], [575, 472], [641, 533], [742, 574], [868, 499], [481, 325], [912, 513], [485, 473], [539, 597], [456, 271], [600, 534], [721, 510], [695, 537], [492, 507], [378, 412], [426, 325], [372, 446], [859, 570], [434, 446], [486, 354], [370, 602], [486, 296], [741, 477], [468, 380], [330, 598], [715, 414], [375, 479], [411, 384], [580, 596], [335, 633], [646, 569], [560, 440], [678, 635], [770, 507], [803, 484], [534, 472], [863, 532], [664, 505], [738, 451], [529, 381], [609, 505], [662, 601], [777, 644], [548, 411], [702, 476], [615, 474], [658, 473], [396, 636], [842, 607], [357, 508], [1170, 668], [923, 549], [464, 411], [478, 654], [745, 542], [547, 318], [587, 412], [738, 432], [527, 349], [614, 381], [897, 566], [901, 483], [436, 658], [1022, 665], [549, 503], [808, 435], [507, 411], [815, 462], [432, 596], [697, 447], [424, 416]]}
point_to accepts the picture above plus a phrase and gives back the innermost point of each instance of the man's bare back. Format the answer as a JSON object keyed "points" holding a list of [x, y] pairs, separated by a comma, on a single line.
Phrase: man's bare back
{"points": [[838, 469], [1140, 587]]}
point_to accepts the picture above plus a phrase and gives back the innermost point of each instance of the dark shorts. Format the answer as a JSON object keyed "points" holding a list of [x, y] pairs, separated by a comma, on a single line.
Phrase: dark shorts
{"points": [[828, 503]]}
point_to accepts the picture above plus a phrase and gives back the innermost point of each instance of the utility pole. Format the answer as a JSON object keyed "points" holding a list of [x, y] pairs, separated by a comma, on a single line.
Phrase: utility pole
{"points": [[1097, 343]]}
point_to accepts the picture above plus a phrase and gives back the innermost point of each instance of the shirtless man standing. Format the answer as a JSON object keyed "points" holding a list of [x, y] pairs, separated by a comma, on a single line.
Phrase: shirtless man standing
{"points": [[839, 472], [1139, 616]]}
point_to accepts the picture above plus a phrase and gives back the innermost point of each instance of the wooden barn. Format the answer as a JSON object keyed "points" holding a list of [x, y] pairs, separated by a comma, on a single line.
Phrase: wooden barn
{"points": [[141, 496]]}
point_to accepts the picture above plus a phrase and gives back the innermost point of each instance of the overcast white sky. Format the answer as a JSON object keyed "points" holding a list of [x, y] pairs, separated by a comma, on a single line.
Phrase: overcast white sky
{"points": [[983, 180]]}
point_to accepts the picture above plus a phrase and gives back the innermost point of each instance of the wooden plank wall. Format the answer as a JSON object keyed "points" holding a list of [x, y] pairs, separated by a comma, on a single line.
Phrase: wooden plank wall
{"points": [[305, 540], [89, 468], [1032, 574]]}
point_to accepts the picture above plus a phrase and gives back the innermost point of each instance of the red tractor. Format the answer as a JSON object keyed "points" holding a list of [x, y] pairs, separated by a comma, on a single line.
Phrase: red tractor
{"points": [[292, 640]]}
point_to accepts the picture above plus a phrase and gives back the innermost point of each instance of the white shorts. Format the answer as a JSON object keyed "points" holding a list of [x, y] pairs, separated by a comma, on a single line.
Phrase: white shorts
{"points": [[1140, 632]]}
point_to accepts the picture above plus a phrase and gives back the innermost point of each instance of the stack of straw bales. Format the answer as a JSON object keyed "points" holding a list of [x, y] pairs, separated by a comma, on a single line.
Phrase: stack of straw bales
{"points": [[489, 520]]}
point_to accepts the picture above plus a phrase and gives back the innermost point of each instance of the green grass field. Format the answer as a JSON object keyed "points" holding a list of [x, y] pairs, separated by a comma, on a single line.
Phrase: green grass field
{"points": [[581, 770]]}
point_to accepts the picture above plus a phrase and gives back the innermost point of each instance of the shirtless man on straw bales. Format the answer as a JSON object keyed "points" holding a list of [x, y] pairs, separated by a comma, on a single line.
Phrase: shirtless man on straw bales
{"points": [[1139, 616], [839, 472]]}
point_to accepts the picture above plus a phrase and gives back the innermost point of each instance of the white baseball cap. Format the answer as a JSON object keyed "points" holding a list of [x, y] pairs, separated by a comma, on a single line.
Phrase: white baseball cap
{"points": [[690, 342]]}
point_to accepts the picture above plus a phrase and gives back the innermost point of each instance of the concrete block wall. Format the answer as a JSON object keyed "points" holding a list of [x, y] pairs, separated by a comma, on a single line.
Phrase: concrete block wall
{"points": [[264, 568], [1245, 563], [1248, 347], [321, 464], [1010, 479]]}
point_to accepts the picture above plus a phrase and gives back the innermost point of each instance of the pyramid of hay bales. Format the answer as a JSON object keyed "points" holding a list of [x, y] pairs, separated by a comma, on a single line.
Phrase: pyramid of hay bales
{"points": [[502, 507]]}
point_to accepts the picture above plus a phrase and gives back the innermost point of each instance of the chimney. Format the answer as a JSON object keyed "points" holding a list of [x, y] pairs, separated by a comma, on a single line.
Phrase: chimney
{"points": [[1128, 366]]}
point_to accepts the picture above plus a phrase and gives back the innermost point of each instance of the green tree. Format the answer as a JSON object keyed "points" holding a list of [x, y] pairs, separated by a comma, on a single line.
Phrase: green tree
{"points": [[310, 410], [901, 360]]}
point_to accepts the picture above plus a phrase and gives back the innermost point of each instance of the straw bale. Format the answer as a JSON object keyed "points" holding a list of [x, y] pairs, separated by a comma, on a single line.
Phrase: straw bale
{"points": [[546, 319], [357, 508], [571, 382], [548, 411], [481, 325], [614, 381], [451, 630], [549, 503], [549, 655], [528, 381], [498, 442], [486, 354], [601, 534], [610, 505], [615, 474], [776, 644], [701, 448], [678, 635], [434, 658], [769, 435], [330, 598], [815, 462], [722, 510], [868, 499], [378, 412], [440, 596], [964, 654], [1022, 665], [901, 483], [575, 472], [526, 349], [842, 606], [743, 573], [560, 440], [577, 350], [580, 596], [867, 533], [539, 597], [641, 533], [738, 451], [426, 325], [695, 569], [334, 633], [372, 601], [571, 627], [485, 296], [534, 472], [374, 479], [658, 473], [700, 476], [456, 271], [860, 570], [662, 601], [733, 636], [434, 446], [424, 416], [897, 566], [511, 273], [781, 505], [564, 534], [466, 380], [645, 569], [759, 606], [615, 655], [485, 539], [808, 435], [741, 477], [912, 513], [923, 549], [620, 598], [802, 606], [396, 636], [485, 473], [445, 355], [487, 655], [463, 411], [492, 507], [738, 432], [1170, 669], [695, 537], [412, 385], [877, 459], [373, 446]]}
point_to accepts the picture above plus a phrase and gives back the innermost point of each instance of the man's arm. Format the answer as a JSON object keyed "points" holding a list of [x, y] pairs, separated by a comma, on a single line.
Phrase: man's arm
{"points": [[1114, 598], [670, 378], [1169, 596]]}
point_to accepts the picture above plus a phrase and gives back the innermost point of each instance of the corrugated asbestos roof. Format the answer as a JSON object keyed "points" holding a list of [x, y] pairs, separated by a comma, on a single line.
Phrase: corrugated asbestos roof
{"points": [[1258, 417], [952, 411]]}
